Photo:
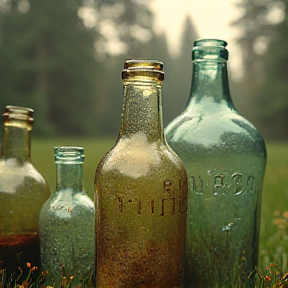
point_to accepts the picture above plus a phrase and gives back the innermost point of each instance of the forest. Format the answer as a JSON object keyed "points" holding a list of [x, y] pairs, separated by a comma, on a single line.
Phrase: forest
{"points": [[64, 60]]}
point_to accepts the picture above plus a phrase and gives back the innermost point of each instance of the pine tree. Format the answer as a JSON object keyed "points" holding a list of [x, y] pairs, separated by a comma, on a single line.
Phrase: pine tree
{"points": [[182, 69], [126, 32], [263, 45], [274, 101], [49, 65]]}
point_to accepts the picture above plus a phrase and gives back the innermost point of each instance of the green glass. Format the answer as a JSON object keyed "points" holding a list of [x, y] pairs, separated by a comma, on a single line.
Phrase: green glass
{"points": [[23, 191], [141, 193], [67, 225], [225, 159]]}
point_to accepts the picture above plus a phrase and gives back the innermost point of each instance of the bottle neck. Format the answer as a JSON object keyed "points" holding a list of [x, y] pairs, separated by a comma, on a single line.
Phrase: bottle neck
{"points": [[210, 86], [69, 176], [142, 110], [16, 142]]}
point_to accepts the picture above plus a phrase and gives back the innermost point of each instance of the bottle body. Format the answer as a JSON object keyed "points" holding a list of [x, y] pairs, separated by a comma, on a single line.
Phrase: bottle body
{"points": [[141, 193], [225, 158], [224, 182], [66, 226], [67, 238], [23, 191], [141, 219]]}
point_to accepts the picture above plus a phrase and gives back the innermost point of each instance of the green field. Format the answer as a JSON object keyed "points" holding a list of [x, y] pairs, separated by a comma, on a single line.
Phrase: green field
{"points": [[274, 245], [274, 238]]}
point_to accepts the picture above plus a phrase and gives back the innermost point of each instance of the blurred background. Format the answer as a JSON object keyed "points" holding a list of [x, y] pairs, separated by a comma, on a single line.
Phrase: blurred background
{"points": [[64, 58]]}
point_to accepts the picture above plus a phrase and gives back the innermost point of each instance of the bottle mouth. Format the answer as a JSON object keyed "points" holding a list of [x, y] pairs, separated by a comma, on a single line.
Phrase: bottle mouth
{"points": [[19, 113], [69, 154], [210, 49], [143, 70]]}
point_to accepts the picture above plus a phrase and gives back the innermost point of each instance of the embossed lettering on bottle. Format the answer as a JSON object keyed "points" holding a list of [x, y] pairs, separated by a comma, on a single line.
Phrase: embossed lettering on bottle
{"points": [[168, 204], [222, 184]]}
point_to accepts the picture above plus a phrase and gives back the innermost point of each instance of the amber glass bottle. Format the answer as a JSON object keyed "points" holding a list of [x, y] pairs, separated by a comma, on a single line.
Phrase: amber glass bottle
{"points": [[23, 191], [141, 188], [225, 158]]}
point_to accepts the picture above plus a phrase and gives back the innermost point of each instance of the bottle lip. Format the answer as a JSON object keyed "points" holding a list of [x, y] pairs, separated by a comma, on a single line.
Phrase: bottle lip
{"points": [[19, 113], [141, 69], [69, 154], [210, 49], [210, 42]]}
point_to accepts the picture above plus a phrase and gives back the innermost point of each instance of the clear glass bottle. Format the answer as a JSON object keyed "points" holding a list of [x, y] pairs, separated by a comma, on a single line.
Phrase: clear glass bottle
{"points": [[67, 224], [23, 191], [225, 158], [141, 190]]}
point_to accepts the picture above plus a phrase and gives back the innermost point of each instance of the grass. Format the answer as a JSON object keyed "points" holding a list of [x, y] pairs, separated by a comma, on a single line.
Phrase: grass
{"points": [[274, 218]]}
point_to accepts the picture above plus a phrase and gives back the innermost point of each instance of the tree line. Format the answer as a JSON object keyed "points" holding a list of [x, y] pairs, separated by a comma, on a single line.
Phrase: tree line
{"points": [[262, 92], [64, 59]]}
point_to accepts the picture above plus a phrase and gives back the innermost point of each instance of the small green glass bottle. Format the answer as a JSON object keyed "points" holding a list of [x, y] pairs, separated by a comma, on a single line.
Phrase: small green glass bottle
{"points": [[23, 191], [225, 158], [67, 224], [141, 191]]}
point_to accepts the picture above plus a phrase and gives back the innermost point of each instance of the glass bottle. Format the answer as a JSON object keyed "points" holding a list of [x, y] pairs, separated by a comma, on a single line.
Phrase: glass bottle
{"points": [[141, 190], [23, 191], [225, 159], [67, 224]]}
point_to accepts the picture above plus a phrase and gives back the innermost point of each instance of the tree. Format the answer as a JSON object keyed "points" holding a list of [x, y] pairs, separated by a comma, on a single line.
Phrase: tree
{"points": [[65, 60], [49, 65], [263, 28], [274, 90], [124, 26], [126, 32], [183, 65]]}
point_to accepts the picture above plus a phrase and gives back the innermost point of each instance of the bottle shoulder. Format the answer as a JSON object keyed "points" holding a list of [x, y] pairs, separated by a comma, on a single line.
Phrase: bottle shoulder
{"points": [[68, 204], [15, 167], [139, 159], [17, 177], [209, 130]]}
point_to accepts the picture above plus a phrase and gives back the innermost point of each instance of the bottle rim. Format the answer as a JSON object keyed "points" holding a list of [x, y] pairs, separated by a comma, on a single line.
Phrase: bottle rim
{"points": [[210, 49], [69, 154], [141, 69], [19, 113], [210, 42]]}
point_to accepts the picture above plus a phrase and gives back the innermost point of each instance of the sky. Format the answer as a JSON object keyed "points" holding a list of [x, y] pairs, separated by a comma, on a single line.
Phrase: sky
{"points": [[211, 18]]}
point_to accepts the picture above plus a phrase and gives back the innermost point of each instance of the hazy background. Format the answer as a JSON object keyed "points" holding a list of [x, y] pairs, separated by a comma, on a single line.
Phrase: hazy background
{"points": [[64, 58]]}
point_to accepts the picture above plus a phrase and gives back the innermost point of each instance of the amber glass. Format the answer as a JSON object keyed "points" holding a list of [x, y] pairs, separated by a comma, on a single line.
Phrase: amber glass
{"points": [[23, 191], [67, 225], [225, 158], [141, 188]]}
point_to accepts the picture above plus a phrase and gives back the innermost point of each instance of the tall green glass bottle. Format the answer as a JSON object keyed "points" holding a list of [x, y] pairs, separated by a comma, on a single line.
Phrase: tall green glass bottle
{"points": [[23, 191], [141, 190], [67, 225], [225, 158]]}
